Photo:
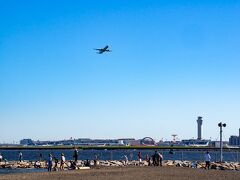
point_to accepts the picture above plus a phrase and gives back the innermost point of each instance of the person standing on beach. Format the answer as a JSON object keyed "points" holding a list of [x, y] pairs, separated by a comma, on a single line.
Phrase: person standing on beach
{"points": [[75, 155], [148, 159], [1, 157], [50, 160], [62, 161], [157, 158], [20, 156], [95, 159], [207, 158], [139, 157], [160, 158], [125, 160]]}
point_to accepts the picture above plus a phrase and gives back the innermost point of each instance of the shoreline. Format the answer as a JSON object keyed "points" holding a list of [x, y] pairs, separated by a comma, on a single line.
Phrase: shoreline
{"points": [[129, 173], [116, 148], [13, 165]]}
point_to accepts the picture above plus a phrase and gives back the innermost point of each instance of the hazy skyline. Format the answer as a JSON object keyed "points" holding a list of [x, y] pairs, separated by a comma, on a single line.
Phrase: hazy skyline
{"points": [[171, 62]]}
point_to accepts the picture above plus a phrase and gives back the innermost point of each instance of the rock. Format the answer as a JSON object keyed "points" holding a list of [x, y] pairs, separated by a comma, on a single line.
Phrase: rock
{"points": [[83, 168], [213, 166], [169, 163]]}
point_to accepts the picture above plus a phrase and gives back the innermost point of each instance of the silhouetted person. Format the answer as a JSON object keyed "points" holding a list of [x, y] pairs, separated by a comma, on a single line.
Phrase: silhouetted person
{"points": [[20, 156], [87, 163], [50, 163], [157, 158], [139, 157], [62, 161], [75, 155], [56, 163], [95, 159]]}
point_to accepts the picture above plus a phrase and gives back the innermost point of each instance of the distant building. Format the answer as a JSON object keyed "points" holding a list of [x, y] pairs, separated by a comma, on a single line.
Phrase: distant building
{"points": [[216, 144], [196, 142], [126, 141], [79, 142], [27, 142], [234, 140]]}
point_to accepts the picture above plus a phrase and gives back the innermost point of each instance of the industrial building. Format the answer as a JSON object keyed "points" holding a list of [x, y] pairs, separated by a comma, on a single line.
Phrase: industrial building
{"points": [[235, 140]]}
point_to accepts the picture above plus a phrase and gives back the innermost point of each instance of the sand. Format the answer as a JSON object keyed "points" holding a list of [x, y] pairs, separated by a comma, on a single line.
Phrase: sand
{"points": [[130, 173]]}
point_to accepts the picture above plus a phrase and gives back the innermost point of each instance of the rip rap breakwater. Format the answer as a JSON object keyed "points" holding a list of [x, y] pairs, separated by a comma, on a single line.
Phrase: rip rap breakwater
{"points": [[101, 163]]}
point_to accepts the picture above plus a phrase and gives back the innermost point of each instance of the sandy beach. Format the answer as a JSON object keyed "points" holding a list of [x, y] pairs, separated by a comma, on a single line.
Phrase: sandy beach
{"points": [[130, 173]]}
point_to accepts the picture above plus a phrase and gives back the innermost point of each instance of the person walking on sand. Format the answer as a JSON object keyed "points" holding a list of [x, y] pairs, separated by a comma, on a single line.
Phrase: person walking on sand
{"points": [[50, 163], [160, 158], [207, 158], [20, 156], [62, 161], [55, 168]]}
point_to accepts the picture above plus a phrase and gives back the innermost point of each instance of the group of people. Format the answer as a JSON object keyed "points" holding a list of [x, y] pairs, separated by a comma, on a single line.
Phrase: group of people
{"points": [[155, 160], [62, 161]]}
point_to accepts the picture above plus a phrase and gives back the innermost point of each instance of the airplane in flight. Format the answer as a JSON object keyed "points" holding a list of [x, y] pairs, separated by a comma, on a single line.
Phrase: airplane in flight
{"points": [[102, 50]]}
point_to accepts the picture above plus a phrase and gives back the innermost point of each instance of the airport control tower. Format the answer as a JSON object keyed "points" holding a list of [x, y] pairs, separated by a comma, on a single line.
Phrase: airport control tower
{"points": [[239, 138], [199, 122]]}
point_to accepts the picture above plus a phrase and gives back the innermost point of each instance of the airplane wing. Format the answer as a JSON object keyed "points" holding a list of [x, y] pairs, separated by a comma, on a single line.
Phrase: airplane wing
{"points": [[105, 48]]}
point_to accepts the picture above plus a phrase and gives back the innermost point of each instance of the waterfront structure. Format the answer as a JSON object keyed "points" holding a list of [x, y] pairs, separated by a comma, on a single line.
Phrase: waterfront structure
{"points": [[26, 142], [147, 141], [199, 128], [79, 142], [234, 140], [196, 142]]}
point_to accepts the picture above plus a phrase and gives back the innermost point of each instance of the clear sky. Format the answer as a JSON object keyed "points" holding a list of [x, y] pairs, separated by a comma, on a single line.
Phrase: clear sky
{"points": [[171, 61]]}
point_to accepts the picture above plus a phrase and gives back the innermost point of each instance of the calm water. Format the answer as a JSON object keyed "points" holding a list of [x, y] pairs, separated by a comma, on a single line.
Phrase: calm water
{"points": [[34, 155]]}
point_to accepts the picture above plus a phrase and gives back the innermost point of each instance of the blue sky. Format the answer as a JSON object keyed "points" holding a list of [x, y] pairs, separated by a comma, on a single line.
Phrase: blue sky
{"points": [[171, 61]]}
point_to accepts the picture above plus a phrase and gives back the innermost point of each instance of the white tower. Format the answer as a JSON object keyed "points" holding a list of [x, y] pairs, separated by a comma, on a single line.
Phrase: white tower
{"points": [[199, 122], [239, 137]]}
